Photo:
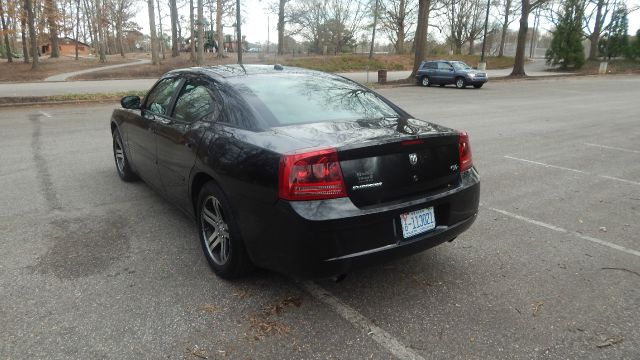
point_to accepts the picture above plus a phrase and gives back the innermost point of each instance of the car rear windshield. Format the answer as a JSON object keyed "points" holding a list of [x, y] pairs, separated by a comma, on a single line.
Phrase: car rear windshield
{"points": [[286, 99]]}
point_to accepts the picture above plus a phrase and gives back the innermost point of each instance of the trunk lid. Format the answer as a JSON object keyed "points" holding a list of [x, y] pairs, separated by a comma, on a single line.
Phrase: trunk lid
{"points": [[387, 160]]}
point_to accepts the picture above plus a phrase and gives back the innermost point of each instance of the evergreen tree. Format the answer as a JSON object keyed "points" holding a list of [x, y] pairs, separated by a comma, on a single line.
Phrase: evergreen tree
{"points": [[616, 42], [566, 47], [634, 48]]}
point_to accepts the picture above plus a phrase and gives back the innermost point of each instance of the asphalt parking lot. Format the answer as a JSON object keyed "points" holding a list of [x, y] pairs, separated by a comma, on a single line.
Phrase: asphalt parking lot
{"points": [[91, 267]]}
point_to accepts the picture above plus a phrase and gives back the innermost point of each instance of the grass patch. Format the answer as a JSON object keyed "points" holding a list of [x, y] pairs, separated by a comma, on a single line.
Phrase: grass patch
{"points": [[618, 66], [348, 63]]}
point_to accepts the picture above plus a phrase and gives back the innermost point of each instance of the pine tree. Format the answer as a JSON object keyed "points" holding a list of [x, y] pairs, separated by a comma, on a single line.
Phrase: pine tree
{"points": [[566, 47], [616, 42]]}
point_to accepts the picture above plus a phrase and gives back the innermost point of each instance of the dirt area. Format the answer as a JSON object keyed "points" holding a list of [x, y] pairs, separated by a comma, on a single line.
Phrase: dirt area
{"points": [[618, 66], [18, 71], [154, 71]]}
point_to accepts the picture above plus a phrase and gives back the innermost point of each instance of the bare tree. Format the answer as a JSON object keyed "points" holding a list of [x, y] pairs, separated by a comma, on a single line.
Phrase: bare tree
{"points": [[23, 34], [162, 43], [281, 22], [507, 13], [174, 28], [200, 42], [398, 17], [219, 29], [526, 8], [31, 20], [100, 34], [152, 28], [7, 44], [600, 11], [464, 20], [420, 39], [52, 20]]}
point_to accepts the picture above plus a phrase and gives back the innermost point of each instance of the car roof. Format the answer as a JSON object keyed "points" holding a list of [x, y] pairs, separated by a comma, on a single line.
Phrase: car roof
{"points": [[236, 70]]}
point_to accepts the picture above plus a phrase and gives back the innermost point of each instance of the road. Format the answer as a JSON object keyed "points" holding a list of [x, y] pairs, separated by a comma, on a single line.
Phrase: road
{"points": [[535, 68], [91, 267]]}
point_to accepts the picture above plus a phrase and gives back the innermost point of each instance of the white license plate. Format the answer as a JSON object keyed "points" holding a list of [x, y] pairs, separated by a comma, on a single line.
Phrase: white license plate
{"points": [[417, 222]]}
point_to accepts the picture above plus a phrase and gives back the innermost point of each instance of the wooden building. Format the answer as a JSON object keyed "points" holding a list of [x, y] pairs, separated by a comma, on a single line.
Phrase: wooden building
{"points": [[67, 47]]}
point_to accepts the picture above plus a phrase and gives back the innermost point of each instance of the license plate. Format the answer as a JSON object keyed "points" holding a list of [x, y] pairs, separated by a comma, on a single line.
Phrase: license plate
{"points": [[417, 222]]}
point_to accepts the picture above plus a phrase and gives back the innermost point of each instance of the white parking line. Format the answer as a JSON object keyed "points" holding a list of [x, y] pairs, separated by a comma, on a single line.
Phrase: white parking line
{"points": [[565, 231], [613, 148], [45, 114], [573, 170], [546, 165], [393, 345]]}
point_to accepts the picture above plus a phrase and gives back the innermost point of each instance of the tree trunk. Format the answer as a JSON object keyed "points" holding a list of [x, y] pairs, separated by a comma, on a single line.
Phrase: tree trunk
{"points": [[31, 20], [518, 66], [100, 34], [505, 27], [373, 33], [472, 44], [154, 39], [594, 38], [50, 9], [219, 29], [23, 33], [174, 28], [239, 27], [281, 26], [200, 42], [458, 48], [7, 44], [77, 26], [400, 34], [424, 7], [163, 46], [192, 43]]}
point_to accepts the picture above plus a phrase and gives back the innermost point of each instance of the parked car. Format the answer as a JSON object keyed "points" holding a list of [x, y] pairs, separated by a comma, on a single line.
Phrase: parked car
{"points": [[443, 72], [297, 171]]}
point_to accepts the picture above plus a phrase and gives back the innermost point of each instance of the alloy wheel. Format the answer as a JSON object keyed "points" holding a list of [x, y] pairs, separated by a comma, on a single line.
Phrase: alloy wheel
{"points": [[118, 152], [215, 230]]}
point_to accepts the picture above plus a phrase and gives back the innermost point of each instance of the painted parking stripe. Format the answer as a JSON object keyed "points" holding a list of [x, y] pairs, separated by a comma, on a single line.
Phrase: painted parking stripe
{"points": [[565, 231], [546, 165], [613, 148], [573, 170], [393, 345]]}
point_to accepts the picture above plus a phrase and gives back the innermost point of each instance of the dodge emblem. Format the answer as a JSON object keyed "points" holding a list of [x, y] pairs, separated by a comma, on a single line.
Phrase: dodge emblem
{"points": [[413, 158]]}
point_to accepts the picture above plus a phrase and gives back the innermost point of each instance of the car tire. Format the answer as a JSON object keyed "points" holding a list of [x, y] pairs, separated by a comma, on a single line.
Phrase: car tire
{"points": [[219, 234], [120, 156], [477, 86], [425, 81], [460, 83]]}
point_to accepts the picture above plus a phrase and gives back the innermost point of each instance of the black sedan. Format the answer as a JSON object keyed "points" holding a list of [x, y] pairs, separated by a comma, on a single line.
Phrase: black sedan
{"points": [[293, 170]]}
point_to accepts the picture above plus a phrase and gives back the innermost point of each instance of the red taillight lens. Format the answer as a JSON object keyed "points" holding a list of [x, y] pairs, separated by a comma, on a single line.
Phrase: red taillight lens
{"points": [[464, 147], [312, 175]]}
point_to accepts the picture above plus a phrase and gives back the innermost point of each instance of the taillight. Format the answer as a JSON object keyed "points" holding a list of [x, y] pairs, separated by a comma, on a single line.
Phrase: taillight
{"points": [[464, 148], [312, 175]]}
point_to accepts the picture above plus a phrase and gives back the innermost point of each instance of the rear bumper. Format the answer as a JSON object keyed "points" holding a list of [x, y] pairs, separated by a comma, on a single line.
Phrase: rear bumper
{"points": [[315, 239]]}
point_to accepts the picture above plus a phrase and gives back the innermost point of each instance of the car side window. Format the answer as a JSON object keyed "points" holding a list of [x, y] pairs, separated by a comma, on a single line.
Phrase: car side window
{"points": [[431, 65], [194, 102], [159, 98], [443, 66]]}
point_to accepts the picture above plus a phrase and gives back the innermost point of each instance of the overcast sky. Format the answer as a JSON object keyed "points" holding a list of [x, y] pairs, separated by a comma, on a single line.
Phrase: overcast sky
{"points": [[258, 22]]}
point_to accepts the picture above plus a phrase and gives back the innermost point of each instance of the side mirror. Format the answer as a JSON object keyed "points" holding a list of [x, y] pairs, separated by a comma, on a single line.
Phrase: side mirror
{"points": [[451, 68], [130, 102]]}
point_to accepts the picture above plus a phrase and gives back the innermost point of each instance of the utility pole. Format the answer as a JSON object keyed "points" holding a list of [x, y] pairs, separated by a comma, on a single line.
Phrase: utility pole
{"points": [[268, 34]]}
